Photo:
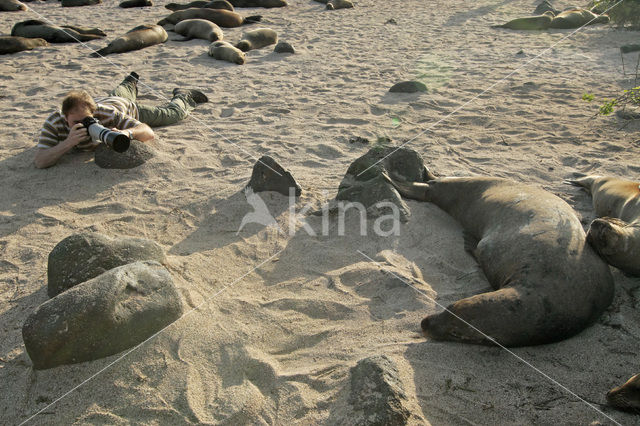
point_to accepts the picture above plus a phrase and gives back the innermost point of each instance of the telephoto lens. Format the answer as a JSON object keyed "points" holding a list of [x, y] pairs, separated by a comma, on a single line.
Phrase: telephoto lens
{"points": [[117, 141]]}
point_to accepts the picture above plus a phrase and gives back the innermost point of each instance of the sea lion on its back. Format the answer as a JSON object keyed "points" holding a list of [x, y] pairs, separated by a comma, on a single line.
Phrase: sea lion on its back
{"points": [[615, 235], [540, 22], [12, 6], [135, 39], [549, 284], [11, 44], [221, 17], [214, 4], [34, 28], [575, 18], [198, 28], [627, 396]]}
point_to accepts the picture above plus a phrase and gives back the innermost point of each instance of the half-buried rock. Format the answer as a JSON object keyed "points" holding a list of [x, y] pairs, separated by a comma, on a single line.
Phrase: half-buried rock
{"points": [[103, 316], [137, 154], [81, 257], [408, 87], [268, 175], [378, 393], [365, 184]]}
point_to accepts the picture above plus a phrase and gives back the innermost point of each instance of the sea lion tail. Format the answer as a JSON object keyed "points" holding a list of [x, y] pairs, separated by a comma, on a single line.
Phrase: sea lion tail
{"points": [[252, 19], [498, 26]]}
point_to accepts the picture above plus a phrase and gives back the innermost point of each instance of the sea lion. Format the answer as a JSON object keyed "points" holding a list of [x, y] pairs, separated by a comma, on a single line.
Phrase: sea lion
{"points": [[540, 22], [339, 4], [549, 284], [221, 17], [615, 235], [76, 3], [215, 4], [258, 3], [135, 39], [226, 52], [575, 18], [12, 6], [198, 28], [11, 44], [627, 396], [135, 3], [256, 39], [54, 34]]}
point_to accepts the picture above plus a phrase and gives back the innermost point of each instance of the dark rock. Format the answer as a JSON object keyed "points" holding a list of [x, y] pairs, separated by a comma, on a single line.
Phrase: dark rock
{"points": [[364, 183], [408, 87], [284, 47], [268, 175], [103, 316], [628, 115], [545, 6], [628, 48], [377, 391], [81, 257], [137, 154]]}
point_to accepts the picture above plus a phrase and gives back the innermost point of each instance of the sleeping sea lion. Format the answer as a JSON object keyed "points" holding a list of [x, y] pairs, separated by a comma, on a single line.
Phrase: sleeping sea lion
{"points": [[135, 39], [540, 22], [256, 39], [135, 3], [339, 4], [575, 18], [76, 3], [54, 34], [198, 28], [225, 51], [221, 17], [11, 44], [12, 6], [549, 284], [627, 396], [615, 235], [258, 3], [215, 4]]}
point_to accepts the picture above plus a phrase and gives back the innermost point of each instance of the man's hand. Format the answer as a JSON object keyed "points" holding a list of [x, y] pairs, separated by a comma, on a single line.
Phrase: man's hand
{"points": [[77, 135]]}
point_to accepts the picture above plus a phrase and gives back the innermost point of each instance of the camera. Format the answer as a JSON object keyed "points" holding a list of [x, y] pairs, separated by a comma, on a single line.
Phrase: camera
{"points": [[117, 141]]}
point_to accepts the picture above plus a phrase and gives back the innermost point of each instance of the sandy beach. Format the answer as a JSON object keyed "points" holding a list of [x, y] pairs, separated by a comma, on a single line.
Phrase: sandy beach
{"points": [[275, 321]]}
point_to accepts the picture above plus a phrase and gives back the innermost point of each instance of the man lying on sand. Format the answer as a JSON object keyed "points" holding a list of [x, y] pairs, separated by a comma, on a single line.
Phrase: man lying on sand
{"points": [[63, 130]]}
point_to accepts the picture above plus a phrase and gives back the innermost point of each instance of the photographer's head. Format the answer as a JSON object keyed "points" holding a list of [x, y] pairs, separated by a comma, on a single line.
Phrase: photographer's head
{"points": [[77, 105]]}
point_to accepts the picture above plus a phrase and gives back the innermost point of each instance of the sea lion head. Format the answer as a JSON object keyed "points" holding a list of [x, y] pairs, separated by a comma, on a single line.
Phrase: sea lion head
{"points": [[616, 241], [244, 45], [627, 396]]}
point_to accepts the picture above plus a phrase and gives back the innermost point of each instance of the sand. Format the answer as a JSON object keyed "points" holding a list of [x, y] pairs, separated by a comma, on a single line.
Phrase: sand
{"points": [[276, 320]]}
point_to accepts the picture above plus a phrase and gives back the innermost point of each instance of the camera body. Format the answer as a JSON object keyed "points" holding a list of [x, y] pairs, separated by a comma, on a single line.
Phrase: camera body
{"points": [[117, 141]]}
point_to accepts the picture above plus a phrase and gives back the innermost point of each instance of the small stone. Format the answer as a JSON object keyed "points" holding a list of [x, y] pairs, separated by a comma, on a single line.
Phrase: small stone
{"points": [[408, 87], [268, 175], [284, 47], [103, 316], [137, 154]]}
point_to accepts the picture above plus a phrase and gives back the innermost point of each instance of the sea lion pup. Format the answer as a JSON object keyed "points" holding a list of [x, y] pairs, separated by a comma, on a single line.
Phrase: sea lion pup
{"points": [[258, 3], [339, 4], [215, 4], [135, 3], [256, 39], [198, 28], [54, 34], [627, 396], [12, 6], [135, 39], [225, 51], [221, 17], [533, 23], [11, 44], [575, 18], [549, 284], [615, 235], [76, 3]]}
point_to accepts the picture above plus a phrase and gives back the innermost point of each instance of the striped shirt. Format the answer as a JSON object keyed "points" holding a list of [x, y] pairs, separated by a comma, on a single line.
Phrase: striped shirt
{"points": [[112, 112]]}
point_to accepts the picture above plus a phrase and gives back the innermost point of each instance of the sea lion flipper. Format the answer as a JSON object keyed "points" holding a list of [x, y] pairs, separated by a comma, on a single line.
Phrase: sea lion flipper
{"points": [[470, 243], [252, 19], [181, 39]]}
